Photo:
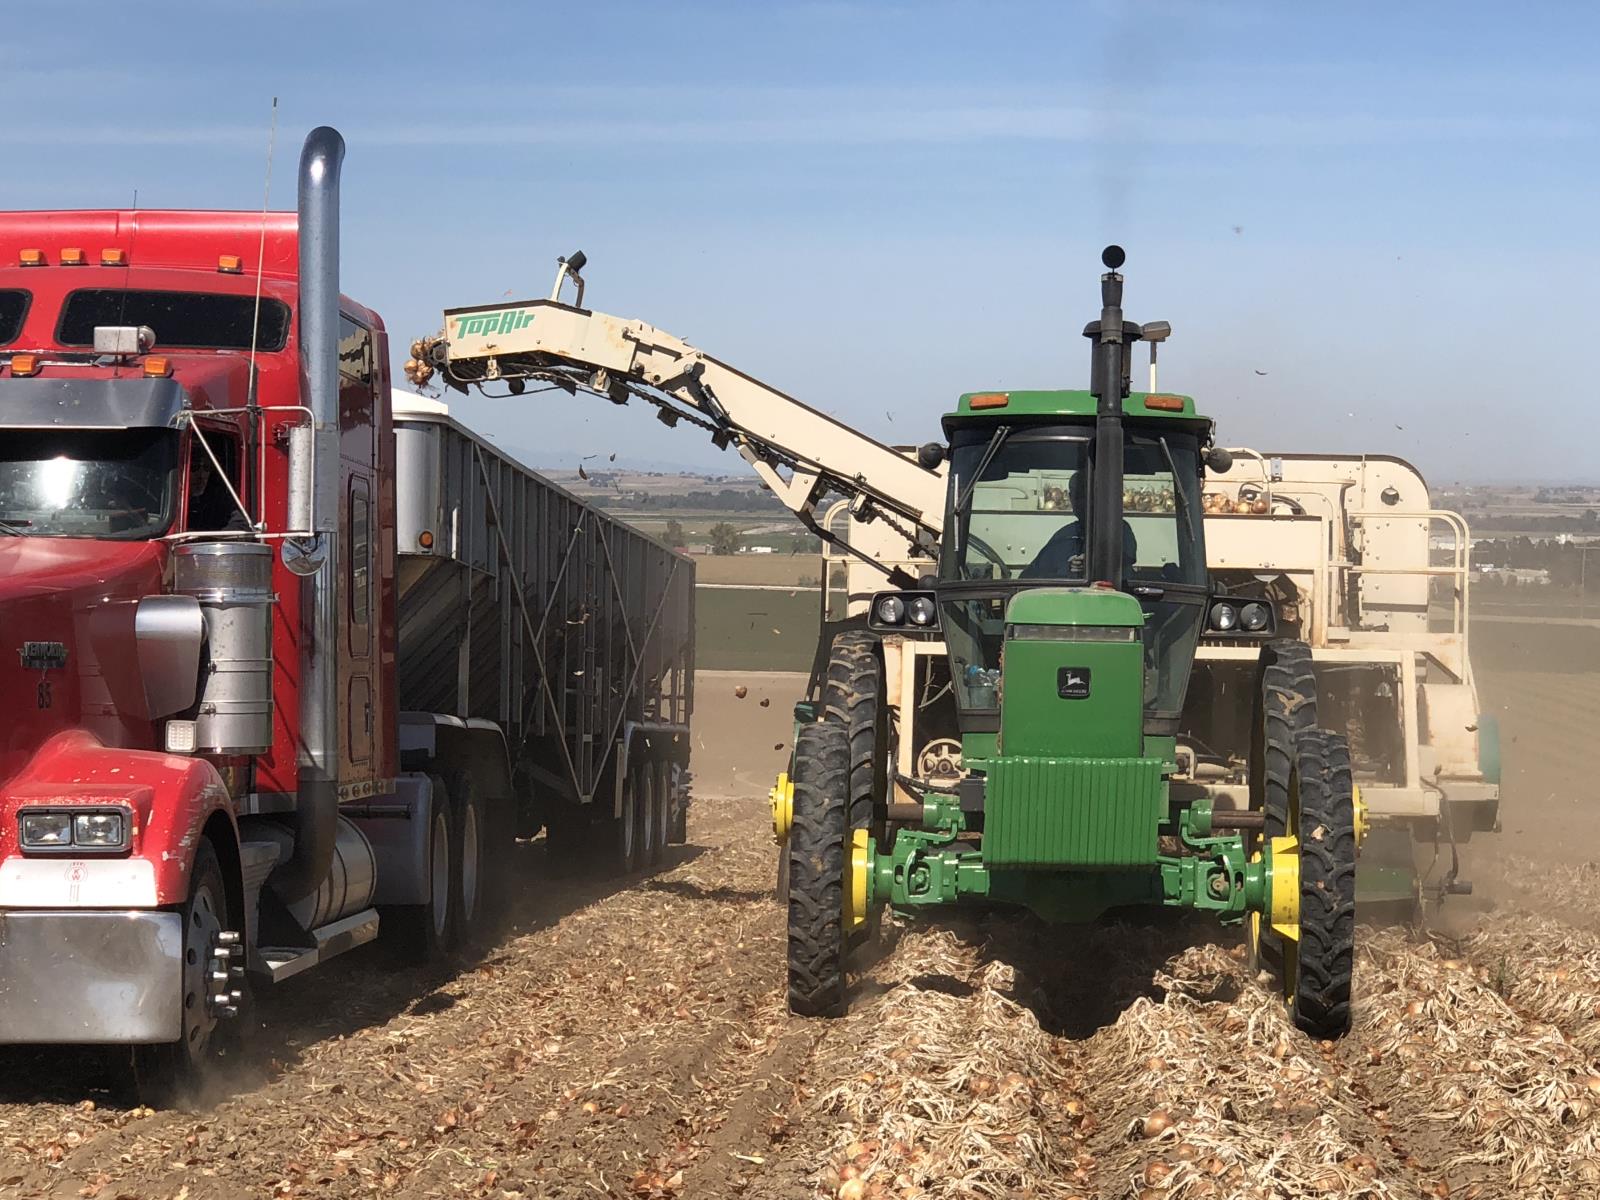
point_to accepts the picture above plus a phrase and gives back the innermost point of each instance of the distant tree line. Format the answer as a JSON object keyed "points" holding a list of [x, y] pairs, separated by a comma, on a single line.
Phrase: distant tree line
{"points": [[727, 500]]}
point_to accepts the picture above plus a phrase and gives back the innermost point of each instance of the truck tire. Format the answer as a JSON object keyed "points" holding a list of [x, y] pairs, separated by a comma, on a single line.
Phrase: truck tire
{"points": [[816, 849], [1284, 706], [425, 933], [1325, 957], [164, 1074]]}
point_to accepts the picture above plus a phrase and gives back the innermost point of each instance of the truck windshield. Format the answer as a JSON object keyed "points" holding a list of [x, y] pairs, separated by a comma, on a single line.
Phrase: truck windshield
{"points": [[13, 307], [182, 320], [87, 483], [1026, 521]]}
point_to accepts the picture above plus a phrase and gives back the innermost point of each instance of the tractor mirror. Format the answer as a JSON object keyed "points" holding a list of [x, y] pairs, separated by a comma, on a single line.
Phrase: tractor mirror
{"points": [[930, 455], [1218, 460]]}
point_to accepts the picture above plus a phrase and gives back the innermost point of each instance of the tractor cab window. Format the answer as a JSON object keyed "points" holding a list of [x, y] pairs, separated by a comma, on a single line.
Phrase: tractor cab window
{"points": [[89, 483], [1019, 516], [180, 320]]}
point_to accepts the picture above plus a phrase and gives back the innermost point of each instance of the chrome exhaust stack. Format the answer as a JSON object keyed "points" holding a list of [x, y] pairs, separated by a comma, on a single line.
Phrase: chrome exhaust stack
{"points": [[316, 817]]}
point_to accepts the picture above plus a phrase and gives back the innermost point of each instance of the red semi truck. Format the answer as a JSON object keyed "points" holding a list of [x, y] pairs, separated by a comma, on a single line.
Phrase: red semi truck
{"points": [[287, 653]]}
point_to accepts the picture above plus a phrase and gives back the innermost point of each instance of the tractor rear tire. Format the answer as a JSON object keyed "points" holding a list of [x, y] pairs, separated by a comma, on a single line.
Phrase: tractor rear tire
{"points": [[1325, 956], [853, 698], [816, 850]]}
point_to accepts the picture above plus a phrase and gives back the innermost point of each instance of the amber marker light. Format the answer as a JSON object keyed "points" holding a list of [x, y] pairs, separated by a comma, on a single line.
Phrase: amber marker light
{"points": [[113, 258], [157, 366], [73, 256], [1164, 403], [230, 264], [990, 400], [31, 258], [24, 365]]}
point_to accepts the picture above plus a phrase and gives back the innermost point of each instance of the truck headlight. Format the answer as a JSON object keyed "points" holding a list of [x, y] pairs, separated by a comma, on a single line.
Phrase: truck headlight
{"points": [[105, 830], [1254, 617], [1224, 617], [46, 830], [921, 610], [890, 610]]}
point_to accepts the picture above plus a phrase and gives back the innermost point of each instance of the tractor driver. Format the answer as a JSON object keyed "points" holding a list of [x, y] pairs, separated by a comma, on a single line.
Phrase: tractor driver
{"points": [[210, 505], [1062, 557]]}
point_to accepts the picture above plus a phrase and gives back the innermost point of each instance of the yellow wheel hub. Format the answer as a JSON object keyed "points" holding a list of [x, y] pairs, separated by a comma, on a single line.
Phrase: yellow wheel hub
{"points": [[857, 862], [782, 799], [1284, 888]]}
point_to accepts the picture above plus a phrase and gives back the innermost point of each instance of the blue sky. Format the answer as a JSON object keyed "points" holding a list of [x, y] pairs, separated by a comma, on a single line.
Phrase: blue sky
{"points": [[1388, 209]]}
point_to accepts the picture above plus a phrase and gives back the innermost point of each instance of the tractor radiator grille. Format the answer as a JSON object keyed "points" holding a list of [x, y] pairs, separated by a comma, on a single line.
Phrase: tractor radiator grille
{"points": [[1097, 813]]}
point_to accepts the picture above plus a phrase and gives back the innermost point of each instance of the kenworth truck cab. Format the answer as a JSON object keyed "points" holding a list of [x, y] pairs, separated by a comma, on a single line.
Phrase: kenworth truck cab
{"points": [[253, 700]]}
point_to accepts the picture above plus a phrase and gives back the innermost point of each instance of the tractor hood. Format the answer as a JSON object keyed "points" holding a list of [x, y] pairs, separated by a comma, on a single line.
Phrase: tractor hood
{"points": [[66, 641]]}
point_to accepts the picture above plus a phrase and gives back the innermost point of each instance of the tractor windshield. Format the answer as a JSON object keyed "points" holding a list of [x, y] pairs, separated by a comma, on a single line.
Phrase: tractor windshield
{"points": [[1019, 516]]}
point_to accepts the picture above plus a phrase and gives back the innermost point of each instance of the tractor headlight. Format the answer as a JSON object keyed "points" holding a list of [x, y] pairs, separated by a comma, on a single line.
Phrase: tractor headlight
{"points": [[1254, 617], [1224, 617], [104, 830], [895, 612], [46, 830]]}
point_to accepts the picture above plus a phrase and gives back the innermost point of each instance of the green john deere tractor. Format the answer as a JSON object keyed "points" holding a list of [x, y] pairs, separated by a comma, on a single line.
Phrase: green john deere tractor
{"points": [[1042, 671]]}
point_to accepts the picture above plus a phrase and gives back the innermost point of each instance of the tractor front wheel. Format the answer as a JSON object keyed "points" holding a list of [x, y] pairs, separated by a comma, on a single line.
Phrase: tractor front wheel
{"points": [[817, 853]]}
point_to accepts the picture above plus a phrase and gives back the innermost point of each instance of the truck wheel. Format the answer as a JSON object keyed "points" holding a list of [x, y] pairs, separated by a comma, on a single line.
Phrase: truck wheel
{"points": [[1325, 956], [816, 850], [426, 932], [163, 1073], [1284, 706], [853, 697], [644, 789], [471, 874]]}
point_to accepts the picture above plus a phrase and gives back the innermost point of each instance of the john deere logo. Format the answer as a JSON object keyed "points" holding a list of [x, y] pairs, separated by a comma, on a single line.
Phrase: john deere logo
{"points": [[1072, 683], [481, 324]]}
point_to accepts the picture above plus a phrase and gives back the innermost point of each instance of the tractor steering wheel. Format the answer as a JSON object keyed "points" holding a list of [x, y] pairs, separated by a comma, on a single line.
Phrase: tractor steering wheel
{"points": [[988, 551]]}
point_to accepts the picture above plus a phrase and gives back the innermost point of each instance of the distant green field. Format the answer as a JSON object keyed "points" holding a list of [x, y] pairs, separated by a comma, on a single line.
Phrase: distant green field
{"points": [[752, 629]]}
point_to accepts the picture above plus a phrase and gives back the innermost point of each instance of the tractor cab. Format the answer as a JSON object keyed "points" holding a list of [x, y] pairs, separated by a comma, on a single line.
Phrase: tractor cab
{"points": [[1022, 516]]}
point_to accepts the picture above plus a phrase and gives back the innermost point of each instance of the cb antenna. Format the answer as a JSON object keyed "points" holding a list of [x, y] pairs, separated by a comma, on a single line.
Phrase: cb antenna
{"points": [[252, 400]]}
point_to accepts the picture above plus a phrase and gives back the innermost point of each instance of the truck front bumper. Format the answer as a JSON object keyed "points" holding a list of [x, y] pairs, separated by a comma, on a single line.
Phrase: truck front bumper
{"points": [[90, 976]]}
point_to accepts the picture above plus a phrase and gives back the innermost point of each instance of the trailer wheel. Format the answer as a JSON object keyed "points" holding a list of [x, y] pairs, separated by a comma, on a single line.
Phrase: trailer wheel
{"points": [[426, 932], [816, 850], [622, 831], [470, 864], [644, 789], [678, 800], [163, 1073], [664, 807], [1284, 706], [1325, 955]]}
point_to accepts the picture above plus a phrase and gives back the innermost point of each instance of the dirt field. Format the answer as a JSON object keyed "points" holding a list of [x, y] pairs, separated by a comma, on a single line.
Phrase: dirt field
{"points": [[628, 1038]]}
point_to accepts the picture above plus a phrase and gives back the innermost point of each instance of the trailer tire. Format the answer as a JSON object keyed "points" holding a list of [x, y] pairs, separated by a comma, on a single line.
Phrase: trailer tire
{"points": [[470, 864], [648, 814], [164, 1073], [426, 932], [661, 780], [678, 802], [816, 850], [621, 833], [1325, 957], [1284, 706]]}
